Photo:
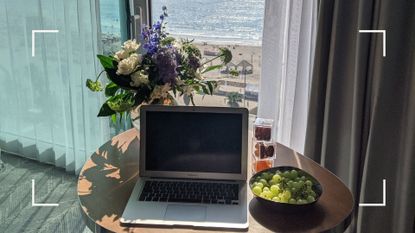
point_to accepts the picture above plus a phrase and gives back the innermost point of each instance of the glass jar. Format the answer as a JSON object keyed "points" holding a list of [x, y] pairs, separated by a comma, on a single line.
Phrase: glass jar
{"points": [[263, 129]]}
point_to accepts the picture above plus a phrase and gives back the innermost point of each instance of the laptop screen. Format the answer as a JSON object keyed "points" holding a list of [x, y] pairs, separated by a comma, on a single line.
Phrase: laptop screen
{"points": [[193, 142]]}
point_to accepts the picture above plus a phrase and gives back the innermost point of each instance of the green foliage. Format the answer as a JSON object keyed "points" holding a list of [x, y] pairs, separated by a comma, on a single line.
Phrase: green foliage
{"points": [[139, 80], [225, 55], [234, 97], [212, 85], [211, 68], [105, 110], [121, 102], [191, 49], [111, 89], [123, 81], [106, 62], [167, 41], [94, 86]]}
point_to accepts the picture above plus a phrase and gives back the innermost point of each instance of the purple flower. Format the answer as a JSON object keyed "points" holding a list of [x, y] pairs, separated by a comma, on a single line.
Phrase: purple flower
{"points": [[153, 36], [157, 25], [166, 60]]}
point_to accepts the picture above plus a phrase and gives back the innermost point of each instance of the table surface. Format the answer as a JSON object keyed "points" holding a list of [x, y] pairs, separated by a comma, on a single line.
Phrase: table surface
{"points": [[108, 177]]}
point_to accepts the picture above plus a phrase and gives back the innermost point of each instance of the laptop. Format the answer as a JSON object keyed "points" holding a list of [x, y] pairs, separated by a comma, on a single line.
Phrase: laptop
{"points": [[193, 168]]}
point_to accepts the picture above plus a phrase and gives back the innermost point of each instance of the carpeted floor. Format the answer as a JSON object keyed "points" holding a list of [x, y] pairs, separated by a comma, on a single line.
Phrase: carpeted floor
{"points": [[52, 185]]}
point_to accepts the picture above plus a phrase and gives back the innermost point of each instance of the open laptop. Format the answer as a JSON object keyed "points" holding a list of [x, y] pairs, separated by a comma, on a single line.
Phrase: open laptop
{"points": [[193, 168]]}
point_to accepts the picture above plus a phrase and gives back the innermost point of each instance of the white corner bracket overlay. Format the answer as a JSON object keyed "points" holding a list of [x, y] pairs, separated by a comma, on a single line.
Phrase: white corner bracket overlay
{"points": [[33, 198], [377, 204], [383, 34], [39, 31]]}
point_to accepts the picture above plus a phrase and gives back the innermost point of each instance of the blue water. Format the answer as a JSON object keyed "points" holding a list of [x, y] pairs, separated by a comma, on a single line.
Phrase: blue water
{"points": [[220, 21]]}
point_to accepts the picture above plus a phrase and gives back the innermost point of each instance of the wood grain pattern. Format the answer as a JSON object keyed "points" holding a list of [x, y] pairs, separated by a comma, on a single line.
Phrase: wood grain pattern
{"points": [[108, 177]]}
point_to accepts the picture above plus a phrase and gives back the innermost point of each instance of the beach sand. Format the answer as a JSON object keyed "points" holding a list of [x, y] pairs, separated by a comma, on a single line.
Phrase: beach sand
{"points": [[228, 83]]}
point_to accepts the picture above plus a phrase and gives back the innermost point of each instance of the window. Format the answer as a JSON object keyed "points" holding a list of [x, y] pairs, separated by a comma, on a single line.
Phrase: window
{"points": [[236, 24], [110, 26]]}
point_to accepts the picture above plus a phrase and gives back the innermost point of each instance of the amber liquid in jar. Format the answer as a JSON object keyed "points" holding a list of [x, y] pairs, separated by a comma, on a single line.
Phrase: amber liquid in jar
{"points": [[261, 165]]}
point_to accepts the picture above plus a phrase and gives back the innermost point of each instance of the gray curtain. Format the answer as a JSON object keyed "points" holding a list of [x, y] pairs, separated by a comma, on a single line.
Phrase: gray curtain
{"points": [[361, 122]]}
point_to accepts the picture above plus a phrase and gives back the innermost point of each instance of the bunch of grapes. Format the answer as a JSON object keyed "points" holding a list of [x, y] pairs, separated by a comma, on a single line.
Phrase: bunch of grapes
{"points": [[286, 187]]}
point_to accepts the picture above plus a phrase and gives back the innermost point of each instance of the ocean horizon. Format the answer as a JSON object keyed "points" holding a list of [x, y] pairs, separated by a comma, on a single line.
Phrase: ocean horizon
{"points": [[235, 22]]}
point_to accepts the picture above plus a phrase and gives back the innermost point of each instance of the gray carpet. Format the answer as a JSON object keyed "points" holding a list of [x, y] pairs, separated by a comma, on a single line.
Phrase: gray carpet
{"points": [[52, 185]]}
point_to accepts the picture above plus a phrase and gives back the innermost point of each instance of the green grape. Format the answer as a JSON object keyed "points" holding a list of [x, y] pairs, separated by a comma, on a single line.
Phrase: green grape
{"points": [[276, 178], [294, 174], [310, 199], [284, 200], [264, 176], [286, 187], [292, 201], [286, 174], [272, 182], [277, 199], [301, 201], [267, 194], [286, 194], [257, 190], [296, 185], [293, 190], [275, 189], [264, 182]]}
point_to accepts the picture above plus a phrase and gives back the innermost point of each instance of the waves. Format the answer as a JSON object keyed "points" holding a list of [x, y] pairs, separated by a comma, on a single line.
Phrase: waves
{"points": [[214, 21]]}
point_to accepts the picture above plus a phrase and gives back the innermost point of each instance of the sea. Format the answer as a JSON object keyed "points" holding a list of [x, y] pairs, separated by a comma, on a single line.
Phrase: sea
{"points": [[212, 21]]}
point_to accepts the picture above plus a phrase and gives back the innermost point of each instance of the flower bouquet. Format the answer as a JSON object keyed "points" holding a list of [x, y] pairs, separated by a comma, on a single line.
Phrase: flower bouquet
{"points": [[154, 72]]}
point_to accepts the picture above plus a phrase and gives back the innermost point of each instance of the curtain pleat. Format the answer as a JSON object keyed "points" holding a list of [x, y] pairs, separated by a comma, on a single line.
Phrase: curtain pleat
{"points": [[361, 124], [46, 113], [287, 54]]}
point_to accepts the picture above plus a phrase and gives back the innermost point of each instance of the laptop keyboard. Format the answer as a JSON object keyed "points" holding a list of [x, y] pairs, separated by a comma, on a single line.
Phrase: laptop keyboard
{"points": [[190, 192]]}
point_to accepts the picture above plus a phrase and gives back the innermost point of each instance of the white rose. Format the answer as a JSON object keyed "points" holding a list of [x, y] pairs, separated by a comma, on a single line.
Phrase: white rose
{"points": [[127, 66], [122, 54], [130, 46], [138, 78]]}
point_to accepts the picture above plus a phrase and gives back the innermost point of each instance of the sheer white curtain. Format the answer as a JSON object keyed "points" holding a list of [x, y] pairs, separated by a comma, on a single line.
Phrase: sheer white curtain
{"points": [[46, 113], [287, 55]]}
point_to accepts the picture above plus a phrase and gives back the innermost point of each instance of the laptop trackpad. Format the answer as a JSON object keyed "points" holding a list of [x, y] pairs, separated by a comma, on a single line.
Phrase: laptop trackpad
{"points": [[193, 213]]}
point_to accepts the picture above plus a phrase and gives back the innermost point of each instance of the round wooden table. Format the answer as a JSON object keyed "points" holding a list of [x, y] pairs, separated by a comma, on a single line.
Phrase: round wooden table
{"points": [[108, 177]]}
